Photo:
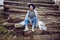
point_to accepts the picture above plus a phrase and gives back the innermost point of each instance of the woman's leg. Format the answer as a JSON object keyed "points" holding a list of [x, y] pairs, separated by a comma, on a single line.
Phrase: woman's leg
{"points": [[34, 21], [26, 24]]}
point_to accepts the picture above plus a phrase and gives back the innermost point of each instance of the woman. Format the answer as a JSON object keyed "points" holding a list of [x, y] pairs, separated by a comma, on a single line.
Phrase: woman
{"points": [[31, 17]]}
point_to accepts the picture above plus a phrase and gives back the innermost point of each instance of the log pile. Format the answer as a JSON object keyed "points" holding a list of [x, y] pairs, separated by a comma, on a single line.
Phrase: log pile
{"points": [[48, 12]]}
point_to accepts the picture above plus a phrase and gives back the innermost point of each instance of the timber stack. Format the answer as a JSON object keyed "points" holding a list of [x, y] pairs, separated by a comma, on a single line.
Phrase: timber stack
{"points": [[48, 12]]}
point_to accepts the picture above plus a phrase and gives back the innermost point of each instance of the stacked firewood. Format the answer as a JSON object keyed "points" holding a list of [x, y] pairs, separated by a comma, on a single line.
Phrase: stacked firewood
{"points": [[48, 12]]}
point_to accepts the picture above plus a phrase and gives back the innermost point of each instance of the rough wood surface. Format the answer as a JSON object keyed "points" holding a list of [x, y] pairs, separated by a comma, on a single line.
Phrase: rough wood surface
{"points": [[46, 14], [36, 4]]}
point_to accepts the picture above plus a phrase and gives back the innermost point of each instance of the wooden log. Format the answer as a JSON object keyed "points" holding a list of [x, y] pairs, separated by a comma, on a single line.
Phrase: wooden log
{"points": [[49, 8], [59, 6], [8, 24], [48, 32], [36, 4], [17, 10], [40, 1], [47, 2], [54, 13], [26, 8], [17, 20], [4, 15], [49, 28], [18, 24], [37, 31], [21, 10], [16, 7]]}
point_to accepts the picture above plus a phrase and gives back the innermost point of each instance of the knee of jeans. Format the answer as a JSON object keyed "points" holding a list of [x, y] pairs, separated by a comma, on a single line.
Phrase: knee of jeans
{"points": [[35, 19], [26, 21]]}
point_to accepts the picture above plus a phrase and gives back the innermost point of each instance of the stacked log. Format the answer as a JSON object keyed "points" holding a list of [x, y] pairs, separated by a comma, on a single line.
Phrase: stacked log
{"points": [[48, 12]]}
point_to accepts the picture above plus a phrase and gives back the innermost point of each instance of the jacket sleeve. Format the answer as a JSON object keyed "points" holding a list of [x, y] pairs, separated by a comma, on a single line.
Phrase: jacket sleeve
{"points": [[37, 18], [26, 15], [37, 15]]}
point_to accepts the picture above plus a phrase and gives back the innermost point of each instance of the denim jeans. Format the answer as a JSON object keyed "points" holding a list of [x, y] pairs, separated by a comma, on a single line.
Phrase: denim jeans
{"points": [[34, 21]]}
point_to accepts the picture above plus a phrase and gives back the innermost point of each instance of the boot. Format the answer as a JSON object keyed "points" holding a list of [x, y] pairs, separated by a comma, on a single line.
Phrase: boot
{"points": [[26, 28], [33, 28]]}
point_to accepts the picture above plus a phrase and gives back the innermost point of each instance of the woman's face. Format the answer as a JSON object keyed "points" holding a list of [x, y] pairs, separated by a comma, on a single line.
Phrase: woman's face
{"points": [[31, 7]]}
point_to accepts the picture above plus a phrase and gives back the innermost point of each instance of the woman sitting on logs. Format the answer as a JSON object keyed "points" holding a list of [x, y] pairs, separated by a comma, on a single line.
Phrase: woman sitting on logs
{"points": [[31, 17]]}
